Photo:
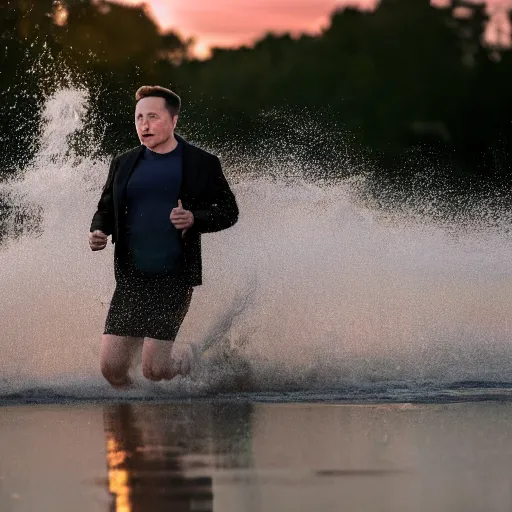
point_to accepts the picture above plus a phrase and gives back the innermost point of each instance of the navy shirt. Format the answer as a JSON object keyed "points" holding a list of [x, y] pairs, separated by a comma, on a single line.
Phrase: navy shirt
{"points": [[152, 192]]}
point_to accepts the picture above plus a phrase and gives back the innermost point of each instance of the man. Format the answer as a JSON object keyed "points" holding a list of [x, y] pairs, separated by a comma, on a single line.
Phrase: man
{"points": [[156, 202]]}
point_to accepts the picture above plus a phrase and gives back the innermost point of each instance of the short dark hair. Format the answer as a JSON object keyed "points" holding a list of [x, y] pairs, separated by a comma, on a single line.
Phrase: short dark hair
{"points": [[172, 100]]}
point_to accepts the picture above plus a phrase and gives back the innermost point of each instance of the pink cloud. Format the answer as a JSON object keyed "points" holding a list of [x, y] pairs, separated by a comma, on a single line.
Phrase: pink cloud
{"points": [[228, 23]]}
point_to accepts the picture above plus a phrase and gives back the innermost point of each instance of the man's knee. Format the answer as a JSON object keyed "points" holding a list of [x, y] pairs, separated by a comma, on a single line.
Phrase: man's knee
{"points": [[115, 359], [114, 372], [156, 359], [155, 374], [147, 373]]}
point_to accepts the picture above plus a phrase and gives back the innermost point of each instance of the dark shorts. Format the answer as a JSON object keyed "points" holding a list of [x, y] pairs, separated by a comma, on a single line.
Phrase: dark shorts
{"points": [[148, 306]]}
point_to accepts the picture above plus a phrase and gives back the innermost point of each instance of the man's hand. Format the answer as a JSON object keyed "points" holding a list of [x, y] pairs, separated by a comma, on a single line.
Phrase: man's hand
{"points": [[97, 240], [181, 218]]}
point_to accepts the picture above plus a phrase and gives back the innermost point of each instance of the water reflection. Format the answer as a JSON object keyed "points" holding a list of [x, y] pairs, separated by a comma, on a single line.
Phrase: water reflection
{"points": [[161, 457]]}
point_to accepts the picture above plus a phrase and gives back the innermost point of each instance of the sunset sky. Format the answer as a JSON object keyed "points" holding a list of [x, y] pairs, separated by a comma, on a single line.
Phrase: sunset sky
{"points": [[229, 23]]}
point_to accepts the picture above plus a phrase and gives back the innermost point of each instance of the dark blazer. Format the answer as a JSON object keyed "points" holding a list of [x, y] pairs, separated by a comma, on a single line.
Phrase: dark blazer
{"points": [[204, 191]]}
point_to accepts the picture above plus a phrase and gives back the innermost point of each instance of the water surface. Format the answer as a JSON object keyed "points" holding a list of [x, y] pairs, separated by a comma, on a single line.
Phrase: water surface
{"points": [[219, 456]]}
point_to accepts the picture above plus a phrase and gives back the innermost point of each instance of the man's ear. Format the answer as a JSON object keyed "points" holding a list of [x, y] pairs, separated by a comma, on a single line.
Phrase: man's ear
{"points": [[174, 121]]}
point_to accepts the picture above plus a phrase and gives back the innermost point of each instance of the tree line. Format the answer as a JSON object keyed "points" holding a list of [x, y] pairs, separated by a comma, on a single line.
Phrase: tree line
{"points": [[409, 88]]}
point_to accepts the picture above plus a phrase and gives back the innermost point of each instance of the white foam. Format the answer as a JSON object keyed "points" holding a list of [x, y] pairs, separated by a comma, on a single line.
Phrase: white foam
{"points": [[310, 289]]}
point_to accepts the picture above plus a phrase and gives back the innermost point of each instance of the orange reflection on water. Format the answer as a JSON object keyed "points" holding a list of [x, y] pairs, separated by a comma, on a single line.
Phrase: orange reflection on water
{"points": [[118, 478]]}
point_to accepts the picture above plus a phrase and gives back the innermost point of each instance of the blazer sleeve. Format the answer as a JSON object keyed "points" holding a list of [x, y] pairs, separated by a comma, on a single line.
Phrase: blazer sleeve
{"points": [[222, 212], [103, 218]]}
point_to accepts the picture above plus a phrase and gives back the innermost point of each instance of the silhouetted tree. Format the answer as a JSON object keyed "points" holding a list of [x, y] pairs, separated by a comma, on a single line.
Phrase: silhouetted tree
{"points": [[413, 84]]}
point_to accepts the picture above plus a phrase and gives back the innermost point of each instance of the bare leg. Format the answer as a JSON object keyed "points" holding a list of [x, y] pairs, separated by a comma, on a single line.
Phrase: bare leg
{"points": [[115, 358], [183, 358], [162, 360], [156, 359]]}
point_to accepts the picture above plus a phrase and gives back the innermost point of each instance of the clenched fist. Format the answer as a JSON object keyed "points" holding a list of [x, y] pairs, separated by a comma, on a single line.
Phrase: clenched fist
{"points": [[97, 240], [181, 218]]}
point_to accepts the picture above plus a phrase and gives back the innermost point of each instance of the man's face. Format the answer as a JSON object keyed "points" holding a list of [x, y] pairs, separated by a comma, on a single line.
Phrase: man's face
{"points": [[154, 123]]}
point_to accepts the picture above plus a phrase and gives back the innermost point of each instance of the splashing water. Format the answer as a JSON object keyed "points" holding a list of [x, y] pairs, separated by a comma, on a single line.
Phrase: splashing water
{"points": [[310, 291]]}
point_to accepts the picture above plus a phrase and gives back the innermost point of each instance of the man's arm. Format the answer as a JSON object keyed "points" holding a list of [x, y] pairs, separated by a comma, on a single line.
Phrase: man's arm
{"points": [[223, 210], [103, 219]]}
